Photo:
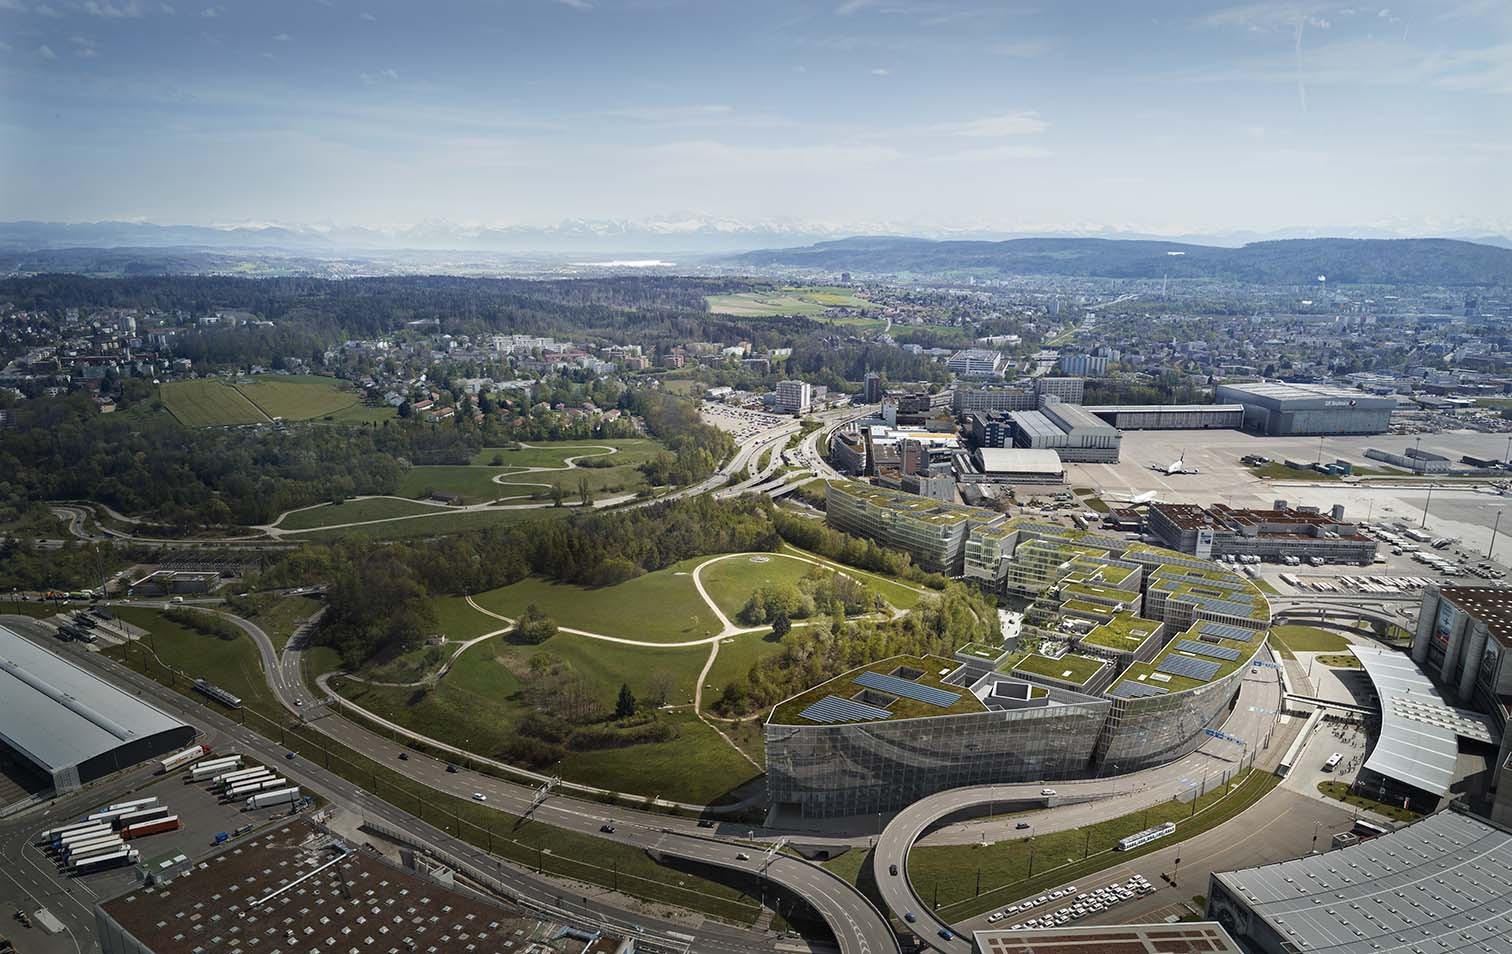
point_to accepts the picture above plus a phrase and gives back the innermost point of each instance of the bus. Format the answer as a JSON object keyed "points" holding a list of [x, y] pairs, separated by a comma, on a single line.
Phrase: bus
{"points": [[1333, 762]]}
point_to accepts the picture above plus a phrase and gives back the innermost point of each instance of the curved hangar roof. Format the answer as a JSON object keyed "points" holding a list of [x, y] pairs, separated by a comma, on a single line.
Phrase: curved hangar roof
{"points": [[58, 715]]}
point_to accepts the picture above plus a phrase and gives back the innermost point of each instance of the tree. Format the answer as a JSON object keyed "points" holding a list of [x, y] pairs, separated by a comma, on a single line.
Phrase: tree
{"points": [[405, 410], [781, 626], [557, 495], [533, 627], [585, 492], [624, 706], [660, 689]]}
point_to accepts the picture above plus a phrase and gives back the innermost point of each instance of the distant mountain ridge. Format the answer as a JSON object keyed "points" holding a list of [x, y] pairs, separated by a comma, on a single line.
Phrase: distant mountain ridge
{"points": [[1411, 261]]}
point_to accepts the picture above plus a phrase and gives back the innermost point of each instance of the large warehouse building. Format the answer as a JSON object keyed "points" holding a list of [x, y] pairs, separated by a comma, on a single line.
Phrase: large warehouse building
{"points": [[71, 726], [1171, 417], [1441, 885], [1290, 410]]}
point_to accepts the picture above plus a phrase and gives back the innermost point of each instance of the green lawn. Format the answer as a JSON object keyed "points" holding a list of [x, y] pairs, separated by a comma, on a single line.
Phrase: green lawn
{"points": [[1309, 639], [736, 657], [354, 511], [1276, 470], [1341, 662], [208, 403], [527, 843], [628, 451], [1340, 791], [298, 397], [904, 596], [280, 616], [731, 581], [478, 704], [363, 414], [475, 484], [232, 664], [657, 607]]}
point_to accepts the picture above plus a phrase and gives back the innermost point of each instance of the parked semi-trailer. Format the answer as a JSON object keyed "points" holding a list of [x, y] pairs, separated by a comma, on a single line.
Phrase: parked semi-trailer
{"points": [[278, 796], [231, 786], [82, 834], [137, 817], [133, 804], [84, 852], [52, 836], [232, 779], [171, 823], [187, 757], [85, 848], [119, 859], [208, 767], [256, 785]]}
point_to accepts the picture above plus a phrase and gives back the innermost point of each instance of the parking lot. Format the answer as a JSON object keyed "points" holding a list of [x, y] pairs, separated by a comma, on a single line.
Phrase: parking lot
{"points": [[742, 423]]}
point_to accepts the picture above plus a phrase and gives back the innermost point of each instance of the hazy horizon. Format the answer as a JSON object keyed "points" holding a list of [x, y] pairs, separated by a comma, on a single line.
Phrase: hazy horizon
{"points": [[845, 117]]}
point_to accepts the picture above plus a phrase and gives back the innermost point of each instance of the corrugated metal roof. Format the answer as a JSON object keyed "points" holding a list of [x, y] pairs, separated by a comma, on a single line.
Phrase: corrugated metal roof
{"points": [[59, 715], [1415, 751], [1441, 885], [1016, 460]]}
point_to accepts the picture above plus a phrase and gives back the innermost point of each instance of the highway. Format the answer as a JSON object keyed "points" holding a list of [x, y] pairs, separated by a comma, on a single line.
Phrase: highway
{"points": [[1253, 719]]}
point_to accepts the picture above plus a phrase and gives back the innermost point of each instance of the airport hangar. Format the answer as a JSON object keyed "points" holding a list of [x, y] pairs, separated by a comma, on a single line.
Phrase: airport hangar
{"points": [[72, 726], [1278, 409]]}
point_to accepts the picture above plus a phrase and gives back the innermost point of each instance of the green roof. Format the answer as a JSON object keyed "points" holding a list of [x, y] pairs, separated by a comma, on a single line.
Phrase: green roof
{"points": [[1182, 683], [845, 686], [1073, 668], [980, 650], [1125, 632]]}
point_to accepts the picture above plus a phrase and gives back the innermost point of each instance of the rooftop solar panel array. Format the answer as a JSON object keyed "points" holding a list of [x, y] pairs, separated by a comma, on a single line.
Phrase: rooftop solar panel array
{"points": [[1216, 605], [1135, 690], [836, 709], [1204, 649], [908, 689], [1200, 669], [1227, 631]]}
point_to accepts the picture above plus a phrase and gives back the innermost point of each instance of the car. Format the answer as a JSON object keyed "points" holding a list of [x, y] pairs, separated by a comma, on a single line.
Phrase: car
{"points": [[1021, 826], [1056, 894], [298, 702], [946, 933], [1047, 792], [607, 829], [479, 797], [404, 756], [995, 918], [289, 755], [910, 917], [742, 856], [892, 870], [451, 768], [705, 823]]}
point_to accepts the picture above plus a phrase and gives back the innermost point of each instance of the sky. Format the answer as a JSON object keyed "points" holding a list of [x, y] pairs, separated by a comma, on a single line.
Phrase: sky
{"points": [[857, 115]]}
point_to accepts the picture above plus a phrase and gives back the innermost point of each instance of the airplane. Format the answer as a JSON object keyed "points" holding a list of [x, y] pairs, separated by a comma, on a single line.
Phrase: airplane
{"points": [[1177, 466]]}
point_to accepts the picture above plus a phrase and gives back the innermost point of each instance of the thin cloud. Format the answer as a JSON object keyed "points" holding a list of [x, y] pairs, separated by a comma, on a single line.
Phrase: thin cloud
{"points": [[282, 37], [113, 11], [46, 52], [881, 71], [365, 15], [995, 154], [576, 4], [994, 127], [1021, 49]]}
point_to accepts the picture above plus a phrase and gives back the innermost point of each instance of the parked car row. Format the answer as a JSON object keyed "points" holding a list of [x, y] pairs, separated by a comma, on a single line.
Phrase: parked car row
{"points": [[1099, 899]]}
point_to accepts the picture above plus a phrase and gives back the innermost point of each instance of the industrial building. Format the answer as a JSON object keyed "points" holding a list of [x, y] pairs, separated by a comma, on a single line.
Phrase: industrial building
{"points": [[1220, 531], [1140, 650], [71, 726], [967, 400], [794, 397], [977, 363], [299, 888], [1069, 430], [1413, 459], [931, 531], [1171, 417], [1278, 409], [999, 465], [1442, 885], [1464, 640]]}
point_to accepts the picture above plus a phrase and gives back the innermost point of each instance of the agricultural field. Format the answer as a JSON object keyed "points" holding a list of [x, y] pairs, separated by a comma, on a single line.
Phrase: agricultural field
{"points": [[355, 511], [209, 403], [298, 397], [803, 301]]}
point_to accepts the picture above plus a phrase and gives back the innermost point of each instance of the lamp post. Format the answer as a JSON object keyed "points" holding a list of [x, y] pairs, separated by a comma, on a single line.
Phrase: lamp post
{"points": [[1494, 525], [1425, 506]]}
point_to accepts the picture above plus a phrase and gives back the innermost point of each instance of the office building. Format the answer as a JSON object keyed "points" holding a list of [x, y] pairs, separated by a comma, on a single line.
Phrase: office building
{"points": [[1171, 417], [69, 727], [967, 399], [931, 531], [794, 397], [1067, 390], [1440, 885], [1221, 531], [1140, 651], [1289, 410], [976, 363], [871, 389], [1083, 365]]}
